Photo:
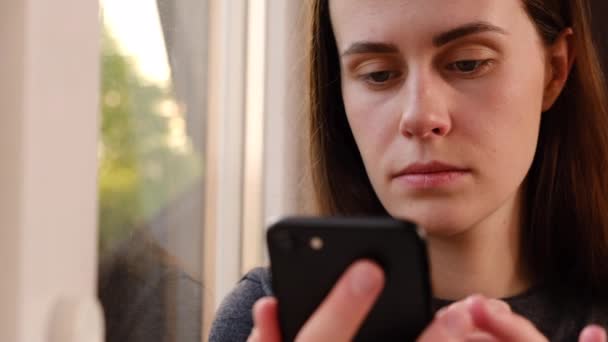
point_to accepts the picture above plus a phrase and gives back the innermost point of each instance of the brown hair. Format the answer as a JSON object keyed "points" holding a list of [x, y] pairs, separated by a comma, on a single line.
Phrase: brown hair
{"points": [[565, 234]]}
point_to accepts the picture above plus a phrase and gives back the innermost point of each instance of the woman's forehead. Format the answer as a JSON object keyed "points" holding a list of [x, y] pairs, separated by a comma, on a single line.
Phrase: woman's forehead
{"points": [[417, 20]]}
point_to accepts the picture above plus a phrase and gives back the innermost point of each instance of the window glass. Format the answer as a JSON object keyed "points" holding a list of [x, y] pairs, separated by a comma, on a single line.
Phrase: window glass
{"points": [[151, 181]]}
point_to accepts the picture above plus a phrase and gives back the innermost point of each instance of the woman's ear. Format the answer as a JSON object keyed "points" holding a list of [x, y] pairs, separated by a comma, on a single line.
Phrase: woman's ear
{"points": [[560, 58]]}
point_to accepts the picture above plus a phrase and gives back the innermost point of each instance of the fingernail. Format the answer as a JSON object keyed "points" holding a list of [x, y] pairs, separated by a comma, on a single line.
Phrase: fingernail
{"points": [[495, 307], [471, 300], [445, 309], [364, 279], [498, 307], [456, 323], [441, 312], [593, 334]]}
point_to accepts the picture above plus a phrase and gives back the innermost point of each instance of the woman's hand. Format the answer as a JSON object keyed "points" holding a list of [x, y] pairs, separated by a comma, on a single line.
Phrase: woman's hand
{"points": [[479, 319], [340, 315]]}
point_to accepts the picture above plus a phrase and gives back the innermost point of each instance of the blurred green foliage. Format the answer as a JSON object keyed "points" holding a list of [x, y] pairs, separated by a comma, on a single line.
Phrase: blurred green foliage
{"points": [[140, 171]]}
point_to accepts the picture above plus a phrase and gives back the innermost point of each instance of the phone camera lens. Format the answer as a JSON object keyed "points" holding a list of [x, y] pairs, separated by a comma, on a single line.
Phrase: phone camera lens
{"points": [[316, 243]]}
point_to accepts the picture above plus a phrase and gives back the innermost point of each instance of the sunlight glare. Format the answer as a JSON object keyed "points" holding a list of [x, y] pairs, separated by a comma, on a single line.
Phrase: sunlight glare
{"points": [[136, 27]]}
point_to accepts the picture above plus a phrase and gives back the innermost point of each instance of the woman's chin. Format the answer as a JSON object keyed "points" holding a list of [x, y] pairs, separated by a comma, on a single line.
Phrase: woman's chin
{"points": [[435, 222]]}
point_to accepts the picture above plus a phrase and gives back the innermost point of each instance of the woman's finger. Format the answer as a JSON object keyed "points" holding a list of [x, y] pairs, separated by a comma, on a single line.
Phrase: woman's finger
{"points": [[480, 337], [495, 304], [593, 333], [458, 326], [266, 321], [341, 314], [453, 323], [503, 325], [254, 336], [498, 305]]}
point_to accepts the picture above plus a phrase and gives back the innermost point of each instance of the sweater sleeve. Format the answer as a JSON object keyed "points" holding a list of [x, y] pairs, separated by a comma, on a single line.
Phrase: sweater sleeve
{"points": [[234, 320]]}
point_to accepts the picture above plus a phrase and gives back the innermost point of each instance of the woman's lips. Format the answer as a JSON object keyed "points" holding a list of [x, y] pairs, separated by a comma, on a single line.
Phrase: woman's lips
{"points": [[430, 175]]}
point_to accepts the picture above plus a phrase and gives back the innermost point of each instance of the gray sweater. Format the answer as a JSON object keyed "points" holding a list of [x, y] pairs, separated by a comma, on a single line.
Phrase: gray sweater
{"points": [[559, 320]]}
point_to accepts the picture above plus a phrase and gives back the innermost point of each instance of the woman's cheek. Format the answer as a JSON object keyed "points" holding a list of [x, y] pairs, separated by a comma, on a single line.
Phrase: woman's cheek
{"points": [[373, 119], [506, 134]]}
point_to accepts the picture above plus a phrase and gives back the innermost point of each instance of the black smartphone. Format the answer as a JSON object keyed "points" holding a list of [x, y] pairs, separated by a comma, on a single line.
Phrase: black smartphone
{"points": [[308, 255]]}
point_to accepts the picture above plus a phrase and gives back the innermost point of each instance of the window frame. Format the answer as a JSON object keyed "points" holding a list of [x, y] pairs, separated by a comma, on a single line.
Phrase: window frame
{"points": [[48, 151], [266, 110]]}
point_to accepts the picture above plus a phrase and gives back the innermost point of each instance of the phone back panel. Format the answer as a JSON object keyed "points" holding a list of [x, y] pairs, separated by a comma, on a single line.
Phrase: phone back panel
{"points": [[303, 274]]}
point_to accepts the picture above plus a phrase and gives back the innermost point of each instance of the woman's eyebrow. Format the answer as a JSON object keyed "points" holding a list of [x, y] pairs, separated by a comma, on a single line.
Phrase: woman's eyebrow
{"points": [[438, 41], [465, 30], [370, 47]]}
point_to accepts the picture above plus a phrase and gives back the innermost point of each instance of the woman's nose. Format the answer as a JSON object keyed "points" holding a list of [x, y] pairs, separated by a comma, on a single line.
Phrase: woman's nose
{"points": [[424, 114]]}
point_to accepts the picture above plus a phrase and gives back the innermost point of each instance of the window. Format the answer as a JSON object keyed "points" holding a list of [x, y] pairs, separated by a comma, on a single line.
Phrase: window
{"points": [[151, 168], [200, 148]]}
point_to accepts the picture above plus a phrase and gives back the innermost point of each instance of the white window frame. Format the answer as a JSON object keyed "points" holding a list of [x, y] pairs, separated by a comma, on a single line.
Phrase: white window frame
{"points": [[224, 153], [48, 149], [256, 119]]}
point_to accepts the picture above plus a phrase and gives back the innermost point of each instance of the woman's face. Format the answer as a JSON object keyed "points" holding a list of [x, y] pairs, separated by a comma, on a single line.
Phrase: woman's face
{"points": [[444, 99]]}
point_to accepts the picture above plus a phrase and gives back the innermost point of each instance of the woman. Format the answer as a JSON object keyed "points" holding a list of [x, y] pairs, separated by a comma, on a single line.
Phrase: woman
{"points": [[486, 123]]}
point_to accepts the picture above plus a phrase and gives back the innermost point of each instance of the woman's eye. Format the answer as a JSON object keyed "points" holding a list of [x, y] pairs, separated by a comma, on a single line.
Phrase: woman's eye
{"points": [[380, 77], [468, 66]]}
